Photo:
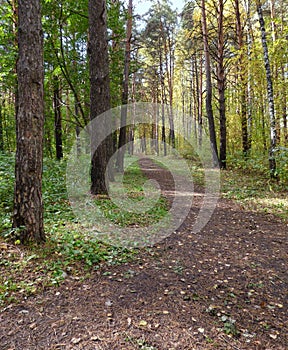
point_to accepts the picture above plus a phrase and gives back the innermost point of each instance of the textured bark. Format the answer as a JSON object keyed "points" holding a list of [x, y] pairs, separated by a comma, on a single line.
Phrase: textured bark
{"points": [[99, 91], [209, 109], [28, 205], [125, 92], [246, 145], [273, 131], [163, 102], [169, 62], [249, 84], [1, 128], [57, 119], [199, 97], [284, 108], [221, 80]]}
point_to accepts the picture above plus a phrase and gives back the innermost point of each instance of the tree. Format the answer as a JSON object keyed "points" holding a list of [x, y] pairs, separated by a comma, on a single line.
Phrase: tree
{"points": [[221, 82], [209, 92], [99, 91], [28, 204], [273, 131], [158, 54], [246, 142], [57, 118], [125, 92]]}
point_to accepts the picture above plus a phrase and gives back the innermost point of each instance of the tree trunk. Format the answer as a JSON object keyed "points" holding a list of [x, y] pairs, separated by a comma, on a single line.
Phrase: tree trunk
{"points": [[57, 119], [163, 102], [169, 62], [249, 84], [28, 205], [125, 92], [273, 131], [242, 72], [1, 128], [199, 87], [99, 92], [209, 109], [221, 77]]}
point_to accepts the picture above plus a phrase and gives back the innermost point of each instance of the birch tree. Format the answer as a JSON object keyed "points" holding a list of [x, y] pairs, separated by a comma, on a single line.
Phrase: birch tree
{"points": [[270, 94]]}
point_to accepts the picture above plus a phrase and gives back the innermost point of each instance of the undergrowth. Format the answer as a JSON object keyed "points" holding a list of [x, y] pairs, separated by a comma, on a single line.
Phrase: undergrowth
{"points": [[69, 251], [249, 183]]}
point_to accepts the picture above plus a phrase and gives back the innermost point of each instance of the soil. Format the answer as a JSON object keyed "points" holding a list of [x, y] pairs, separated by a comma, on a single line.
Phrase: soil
{"points": [[222, 288]]}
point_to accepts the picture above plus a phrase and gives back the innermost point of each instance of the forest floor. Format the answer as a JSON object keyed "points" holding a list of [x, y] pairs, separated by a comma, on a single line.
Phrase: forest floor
{"points": [[223, 288]]}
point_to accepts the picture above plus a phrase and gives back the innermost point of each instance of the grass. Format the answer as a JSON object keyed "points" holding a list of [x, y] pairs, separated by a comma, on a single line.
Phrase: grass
{"points": [[249, 183], [133, 183], [69, 251], [246, 182]]}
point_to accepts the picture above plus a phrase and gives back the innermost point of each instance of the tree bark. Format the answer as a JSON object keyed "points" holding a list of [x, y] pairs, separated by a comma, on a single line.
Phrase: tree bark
{"points": [[1, 128], [28, 204], [221, 78], [99, 92], [284, 107], [243, 82], [169, 62], [273, 131], [57, 119], [209, 108], [125, 92]]}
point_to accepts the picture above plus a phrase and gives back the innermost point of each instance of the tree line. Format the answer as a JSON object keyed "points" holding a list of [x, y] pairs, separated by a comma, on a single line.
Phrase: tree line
{"points": [[222, 63]]}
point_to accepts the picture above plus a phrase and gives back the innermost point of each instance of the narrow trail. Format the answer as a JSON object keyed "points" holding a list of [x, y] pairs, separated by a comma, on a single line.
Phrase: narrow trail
{"points": [[223, 288]]}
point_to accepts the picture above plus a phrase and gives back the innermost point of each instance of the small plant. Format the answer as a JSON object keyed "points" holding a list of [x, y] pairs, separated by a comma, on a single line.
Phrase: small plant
{"points": [[229, 326]]}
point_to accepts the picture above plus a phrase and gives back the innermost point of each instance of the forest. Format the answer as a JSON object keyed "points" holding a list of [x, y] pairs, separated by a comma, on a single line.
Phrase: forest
{"points": [[143, 174]]}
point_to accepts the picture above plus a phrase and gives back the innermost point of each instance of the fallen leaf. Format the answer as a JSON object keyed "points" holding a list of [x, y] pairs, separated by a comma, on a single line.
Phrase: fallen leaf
{"points": [[273, 336], [75, 340]]}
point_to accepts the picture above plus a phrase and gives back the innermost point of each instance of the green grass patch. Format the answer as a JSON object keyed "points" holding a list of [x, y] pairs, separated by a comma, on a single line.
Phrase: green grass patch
{"points": [[133, 183], [69, 252], [249, 183]]}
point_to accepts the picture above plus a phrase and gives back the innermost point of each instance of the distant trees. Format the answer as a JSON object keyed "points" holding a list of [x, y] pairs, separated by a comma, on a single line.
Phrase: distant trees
{"points": [[157, 56], [28, 204], [237, 63]]}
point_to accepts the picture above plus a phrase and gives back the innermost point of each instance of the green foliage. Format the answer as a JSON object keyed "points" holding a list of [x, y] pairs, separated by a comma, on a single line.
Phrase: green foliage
{"points": [[248, 182], [117, 28], [6, 190], [68, 252], [133, 182], [282, 163]]}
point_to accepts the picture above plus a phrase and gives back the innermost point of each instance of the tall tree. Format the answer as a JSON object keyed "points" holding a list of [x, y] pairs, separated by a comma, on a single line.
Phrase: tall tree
{"points": [[57, 118], [273, 130], [221, 82], [99, 90], [242, 72], [209, 88], [28, 204], [125, 92], [1, 129]]}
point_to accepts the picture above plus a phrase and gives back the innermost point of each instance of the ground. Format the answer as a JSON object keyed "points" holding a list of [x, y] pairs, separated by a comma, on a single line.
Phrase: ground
{"points": [[222, 288]]}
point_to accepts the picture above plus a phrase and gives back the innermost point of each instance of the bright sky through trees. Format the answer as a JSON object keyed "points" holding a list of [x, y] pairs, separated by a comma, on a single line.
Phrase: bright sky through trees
{"points": [[142, 6]]}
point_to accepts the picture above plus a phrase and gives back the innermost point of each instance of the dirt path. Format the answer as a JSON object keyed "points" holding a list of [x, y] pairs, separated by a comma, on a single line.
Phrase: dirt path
{"points": [[224, 288]]}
